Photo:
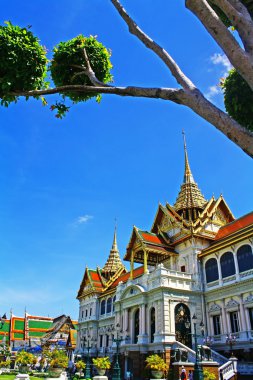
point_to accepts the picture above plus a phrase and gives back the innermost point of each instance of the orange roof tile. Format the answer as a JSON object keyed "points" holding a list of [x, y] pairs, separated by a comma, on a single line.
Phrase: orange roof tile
{"points": [[124, 277], [235, 226], [151, 238]]}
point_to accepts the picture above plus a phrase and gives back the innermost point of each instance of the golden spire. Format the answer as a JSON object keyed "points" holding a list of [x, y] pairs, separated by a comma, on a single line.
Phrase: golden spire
{"points": [[188, 177], [113, 262], [190, 200]]}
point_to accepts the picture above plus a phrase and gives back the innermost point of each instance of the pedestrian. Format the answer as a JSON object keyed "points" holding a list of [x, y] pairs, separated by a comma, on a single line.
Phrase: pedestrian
{"points": [[183, 373], [190, 375]]}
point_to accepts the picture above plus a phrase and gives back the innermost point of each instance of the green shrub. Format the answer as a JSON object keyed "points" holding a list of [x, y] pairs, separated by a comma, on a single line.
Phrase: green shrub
{"points": [[23, 62], [238, 99], [69, 54]]}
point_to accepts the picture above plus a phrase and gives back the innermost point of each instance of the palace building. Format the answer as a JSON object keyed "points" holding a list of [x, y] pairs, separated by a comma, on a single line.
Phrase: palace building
{"points": [[196, 260]]}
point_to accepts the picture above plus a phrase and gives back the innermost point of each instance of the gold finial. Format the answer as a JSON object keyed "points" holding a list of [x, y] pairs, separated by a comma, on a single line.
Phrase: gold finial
{"points": [[188, 177], [114, 244]]}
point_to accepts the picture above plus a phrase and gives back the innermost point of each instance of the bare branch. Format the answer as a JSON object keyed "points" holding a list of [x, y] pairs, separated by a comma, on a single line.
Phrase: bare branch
{"points": [[134, 29], [173, 94], [193, 99], [240, 19], [237, 56], [90, 73]]}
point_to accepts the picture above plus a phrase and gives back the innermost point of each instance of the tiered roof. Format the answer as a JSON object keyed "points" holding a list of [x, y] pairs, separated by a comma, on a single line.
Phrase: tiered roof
{"points": [[154, 245], [99, 280], [191, 215], [113, 262], [238, 230], [190, 200]]}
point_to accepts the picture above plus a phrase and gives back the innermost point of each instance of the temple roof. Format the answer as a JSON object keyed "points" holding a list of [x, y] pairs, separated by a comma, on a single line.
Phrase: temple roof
{"points": [[153, 244], [235, 231], [113, 262], [190, 196], [235, 226]]}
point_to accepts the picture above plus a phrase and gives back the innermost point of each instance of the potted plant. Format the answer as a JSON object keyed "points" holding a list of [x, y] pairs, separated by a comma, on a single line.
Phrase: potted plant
{"points": [[102, 364], [24, 360], [157, 365], [5, 363], [57, 360], [80, 366]]}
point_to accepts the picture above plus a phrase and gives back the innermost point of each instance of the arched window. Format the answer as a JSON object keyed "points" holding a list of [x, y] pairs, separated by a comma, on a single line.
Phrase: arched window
{"points": [[102, 307], [113, 303], [227, 264], [109, 305], [152, 324], [136, 325], [211, 268], [245, 258]]}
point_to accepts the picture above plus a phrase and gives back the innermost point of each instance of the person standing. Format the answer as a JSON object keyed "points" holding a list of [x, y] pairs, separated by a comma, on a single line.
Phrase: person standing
{"points": [[183, 374]]}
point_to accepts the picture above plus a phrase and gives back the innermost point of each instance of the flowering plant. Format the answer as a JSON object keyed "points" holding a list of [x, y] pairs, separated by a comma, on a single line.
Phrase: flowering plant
{"points": [[80, 365], [155, 362], [5, 363], [57, 359], [102, 363], [24, 358]]}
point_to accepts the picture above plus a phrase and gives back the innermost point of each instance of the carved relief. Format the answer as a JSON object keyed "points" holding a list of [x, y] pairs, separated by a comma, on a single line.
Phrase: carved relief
{"points": [[232, 303], [214, 307], [249, 299]]}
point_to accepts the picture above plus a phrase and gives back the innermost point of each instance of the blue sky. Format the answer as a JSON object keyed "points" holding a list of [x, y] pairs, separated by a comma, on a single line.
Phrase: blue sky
{"points": [[63, 182]]}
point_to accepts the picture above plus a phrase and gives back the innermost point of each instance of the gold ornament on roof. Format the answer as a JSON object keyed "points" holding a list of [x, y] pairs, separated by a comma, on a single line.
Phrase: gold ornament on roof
{"points": [[113, 262], [190, 200]]}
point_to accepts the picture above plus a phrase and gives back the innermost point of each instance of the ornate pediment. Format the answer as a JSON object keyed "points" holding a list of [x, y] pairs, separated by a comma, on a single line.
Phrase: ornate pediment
{"points": [[170, 226], [249, 299], [214, 308], [232, 303]]}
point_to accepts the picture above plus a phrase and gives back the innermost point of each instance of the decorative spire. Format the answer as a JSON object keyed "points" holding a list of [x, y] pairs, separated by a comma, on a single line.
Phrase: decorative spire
{"points": [[188, 177], [113, 262], [190, 200]]}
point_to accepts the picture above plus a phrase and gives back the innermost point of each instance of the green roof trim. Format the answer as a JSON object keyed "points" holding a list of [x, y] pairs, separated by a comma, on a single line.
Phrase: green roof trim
{"points": [[35, 334], [19, 336], [37, 324], [19, 325]]}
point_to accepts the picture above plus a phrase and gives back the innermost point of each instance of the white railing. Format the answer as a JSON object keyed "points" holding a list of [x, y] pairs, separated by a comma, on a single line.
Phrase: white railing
{"points": [[226, 371]]}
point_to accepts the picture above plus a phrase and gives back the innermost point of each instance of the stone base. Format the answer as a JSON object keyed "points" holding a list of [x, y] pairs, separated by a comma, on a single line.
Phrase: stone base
{"points": [[22, 376], [100, 377]]}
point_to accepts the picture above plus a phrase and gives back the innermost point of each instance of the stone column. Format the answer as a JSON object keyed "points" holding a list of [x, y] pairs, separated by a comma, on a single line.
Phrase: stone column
{"points": [[224, 318], [219, 271], [237, 274], [243, 319], [143, 337]]}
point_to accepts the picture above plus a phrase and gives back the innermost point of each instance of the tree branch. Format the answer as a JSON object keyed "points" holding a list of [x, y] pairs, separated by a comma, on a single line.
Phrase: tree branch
{"points": [[90, 73], [173, 94], [237, 56], [240, 19], [193, 99], [134, 29]]}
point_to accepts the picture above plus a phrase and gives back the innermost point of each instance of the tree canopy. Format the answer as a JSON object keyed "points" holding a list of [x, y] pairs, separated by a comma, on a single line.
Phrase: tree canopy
{"points": [[80, 68]]}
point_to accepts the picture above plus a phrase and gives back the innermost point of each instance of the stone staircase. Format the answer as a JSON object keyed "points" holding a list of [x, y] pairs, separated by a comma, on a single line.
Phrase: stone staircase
{"points": [[227, 368]]}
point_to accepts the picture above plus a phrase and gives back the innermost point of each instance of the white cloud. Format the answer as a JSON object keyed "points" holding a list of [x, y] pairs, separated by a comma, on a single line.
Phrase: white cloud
{"points": [[212, 92], [83, 219], [221, 59]]}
